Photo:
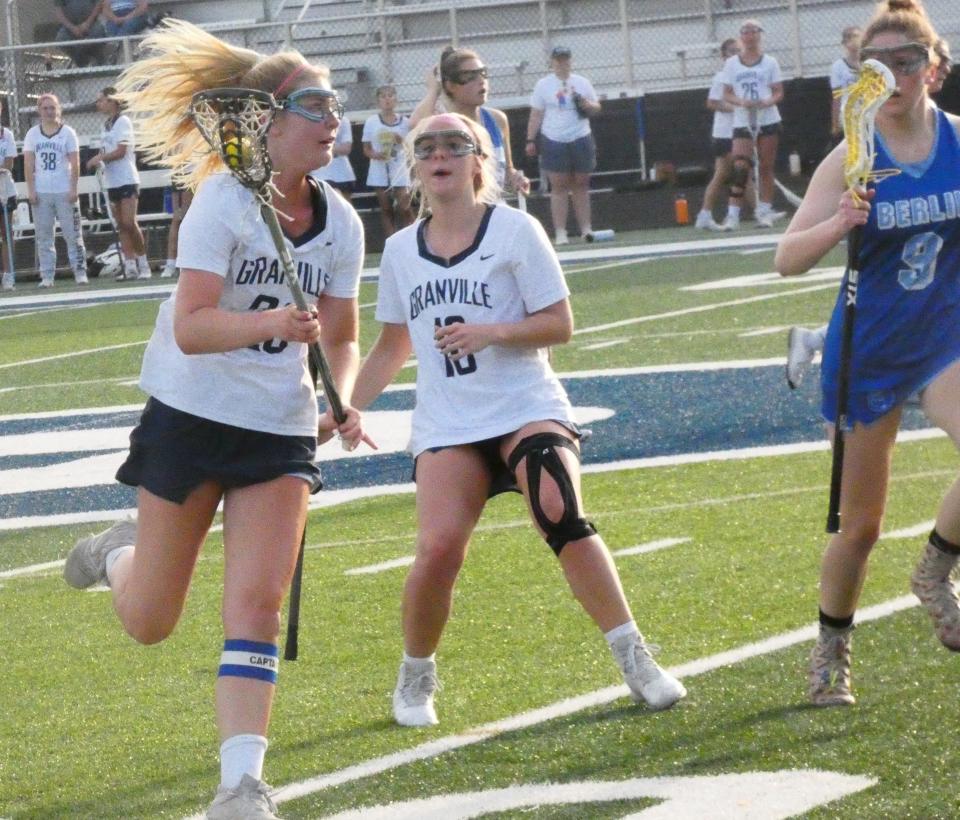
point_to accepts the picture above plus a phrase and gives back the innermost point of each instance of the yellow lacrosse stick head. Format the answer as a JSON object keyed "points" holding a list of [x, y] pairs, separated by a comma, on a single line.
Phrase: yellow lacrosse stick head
{"points": [[863, 100]]}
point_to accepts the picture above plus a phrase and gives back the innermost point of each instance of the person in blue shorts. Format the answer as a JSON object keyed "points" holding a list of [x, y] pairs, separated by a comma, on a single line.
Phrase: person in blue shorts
{"points": [[906, 334]]}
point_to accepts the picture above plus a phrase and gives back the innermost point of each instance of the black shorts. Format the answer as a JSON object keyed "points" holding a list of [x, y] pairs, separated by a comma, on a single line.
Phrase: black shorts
{"points": [[721, 146], [502, 478], [765, 131], [122, 192], [172, 453]]}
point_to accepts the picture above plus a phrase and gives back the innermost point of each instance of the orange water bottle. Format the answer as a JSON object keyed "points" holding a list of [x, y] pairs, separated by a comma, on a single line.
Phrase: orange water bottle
{"points": [[681, 210]]}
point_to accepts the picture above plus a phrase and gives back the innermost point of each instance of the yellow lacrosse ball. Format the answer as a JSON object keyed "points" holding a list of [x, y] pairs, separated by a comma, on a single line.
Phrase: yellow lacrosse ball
{"points": [[237, 152]]}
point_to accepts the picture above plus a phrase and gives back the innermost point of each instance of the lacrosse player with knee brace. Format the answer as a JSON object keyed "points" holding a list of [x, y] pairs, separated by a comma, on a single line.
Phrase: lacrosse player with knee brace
{"points": [[475, 290], [906, 334], [232, 411]]}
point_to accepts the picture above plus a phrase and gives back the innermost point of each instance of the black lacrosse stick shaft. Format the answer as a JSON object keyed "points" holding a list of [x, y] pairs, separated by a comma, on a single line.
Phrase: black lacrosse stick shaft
{"points": [[851, 281]]}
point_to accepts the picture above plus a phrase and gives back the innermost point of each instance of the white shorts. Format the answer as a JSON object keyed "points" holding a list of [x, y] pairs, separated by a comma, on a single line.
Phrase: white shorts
{"points": [[392, 174]]}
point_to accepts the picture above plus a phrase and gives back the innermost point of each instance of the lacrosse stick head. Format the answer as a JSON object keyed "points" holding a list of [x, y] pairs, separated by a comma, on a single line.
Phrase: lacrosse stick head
{"points": [[235, 122], [864, 98]]}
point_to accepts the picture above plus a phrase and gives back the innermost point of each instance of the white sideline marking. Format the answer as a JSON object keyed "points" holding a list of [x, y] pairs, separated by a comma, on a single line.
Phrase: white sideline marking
{"points": [[602, 345], [750, 280], [923, 528], [72, 354], [670, 314], [650, 546], [568, 706], [122, 381], [383, 566], [763, 331]]}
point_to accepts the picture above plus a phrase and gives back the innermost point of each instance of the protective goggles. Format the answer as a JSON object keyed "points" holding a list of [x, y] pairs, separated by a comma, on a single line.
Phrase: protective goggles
{"points": [[904, 60], [454, 143], [314, 104], [469, 75]]}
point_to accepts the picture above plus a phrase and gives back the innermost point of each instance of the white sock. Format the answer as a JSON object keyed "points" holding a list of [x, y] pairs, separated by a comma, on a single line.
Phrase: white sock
{"points": [[561, 233], [143, 264], [171, 263], [629, 628], [112, 557], [764, 208], [733, 211], [240, 755], [130, 265], [419, 663], [705, 213]]}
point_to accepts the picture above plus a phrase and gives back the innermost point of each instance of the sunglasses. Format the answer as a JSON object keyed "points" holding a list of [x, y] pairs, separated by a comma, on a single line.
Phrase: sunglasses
{"points": [[905, 60], [469, 75], [454, 143], [314, 104]]}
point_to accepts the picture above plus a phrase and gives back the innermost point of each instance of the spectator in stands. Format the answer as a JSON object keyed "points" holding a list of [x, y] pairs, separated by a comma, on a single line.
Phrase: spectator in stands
{"points": [[753, 84], [118, 161], [843, 72], [124, 17], [722, 140], [180, 199], [339, 172], [462, 78], [51, 164], [561, 106], [8, 203], [388, 176], [80, 20]]}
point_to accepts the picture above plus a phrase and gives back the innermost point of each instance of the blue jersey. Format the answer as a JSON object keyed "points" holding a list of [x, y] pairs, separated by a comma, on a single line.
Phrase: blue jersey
{"points": [[497, 139], [907, 326]]}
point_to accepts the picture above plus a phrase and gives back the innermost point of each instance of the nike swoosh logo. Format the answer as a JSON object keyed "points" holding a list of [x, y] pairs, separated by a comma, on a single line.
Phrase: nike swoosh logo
{"points": [[483, 258]]}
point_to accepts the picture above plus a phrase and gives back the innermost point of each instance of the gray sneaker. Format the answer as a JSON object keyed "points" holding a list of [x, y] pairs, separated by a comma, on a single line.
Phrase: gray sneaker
{"points": [[932, 585], [87, 562], [647, 681], [829, 681], [250, 800], [413, 697]]}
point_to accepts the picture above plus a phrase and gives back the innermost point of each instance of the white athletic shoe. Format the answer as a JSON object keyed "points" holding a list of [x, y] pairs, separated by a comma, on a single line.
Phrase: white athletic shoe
{"points": [[250, 800], [802, 346], [144, 274], [731, 223], [763, 220], [647, 681], [932, 585], [45, 283], [87, 562], [80, 277], [7, 282], [413, 697], [775, 216], [705, 222], [169, 271]]}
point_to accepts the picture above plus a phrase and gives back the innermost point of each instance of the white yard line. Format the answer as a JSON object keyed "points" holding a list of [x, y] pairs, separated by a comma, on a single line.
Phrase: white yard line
{"points": [[569, 706], [650, 546], [72, 354]]}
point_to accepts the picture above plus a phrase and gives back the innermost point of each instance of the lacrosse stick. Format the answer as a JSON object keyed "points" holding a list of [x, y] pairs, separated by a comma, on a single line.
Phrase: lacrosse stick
{"points": [[235, 122], [864, 98], [754, 126], [114, 234]]}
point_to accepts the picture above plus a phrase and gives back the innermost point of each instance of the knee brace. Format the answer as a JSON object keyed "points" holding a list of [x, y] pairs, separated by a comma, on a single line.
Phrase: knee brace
{"points": [[740, 174], [541, 454]]}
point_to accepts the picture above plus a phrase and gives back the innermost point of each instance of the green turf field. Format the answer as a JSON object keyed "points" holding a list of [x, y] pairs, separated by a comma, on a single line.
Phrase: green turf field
{"points": [[95, 726]]}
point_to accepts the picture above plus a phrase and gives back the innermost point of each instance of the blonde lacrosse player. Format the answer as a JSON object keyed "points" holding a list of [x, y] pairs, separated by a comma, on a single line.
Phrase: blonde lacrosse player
{"points": [[387, 174], [475, 290], [906, 335], [232, 412]]}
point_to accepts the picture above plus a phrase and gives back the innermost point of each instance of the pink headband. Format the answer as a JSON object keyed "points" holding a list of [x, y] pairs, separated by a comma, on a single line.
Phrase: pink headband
{"points": [[290, 78]]}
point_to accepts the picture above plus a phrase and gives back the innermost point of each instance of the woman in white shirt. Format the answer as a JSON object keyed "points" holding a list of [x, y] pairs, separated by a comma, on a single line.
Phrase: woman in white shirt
{"points": [[118, 160]]}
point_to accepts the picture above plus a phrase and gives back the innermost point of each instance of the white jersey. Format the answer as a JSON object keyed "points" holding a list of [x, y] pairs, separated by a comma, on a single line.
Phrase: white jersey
{"points": [[121, 171], [842, 74], [264, 387], [339, 168], [52, 151], [722, 120], [8, 149], [753, 82], [509, 272], [381, 136], [554, 97]]}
